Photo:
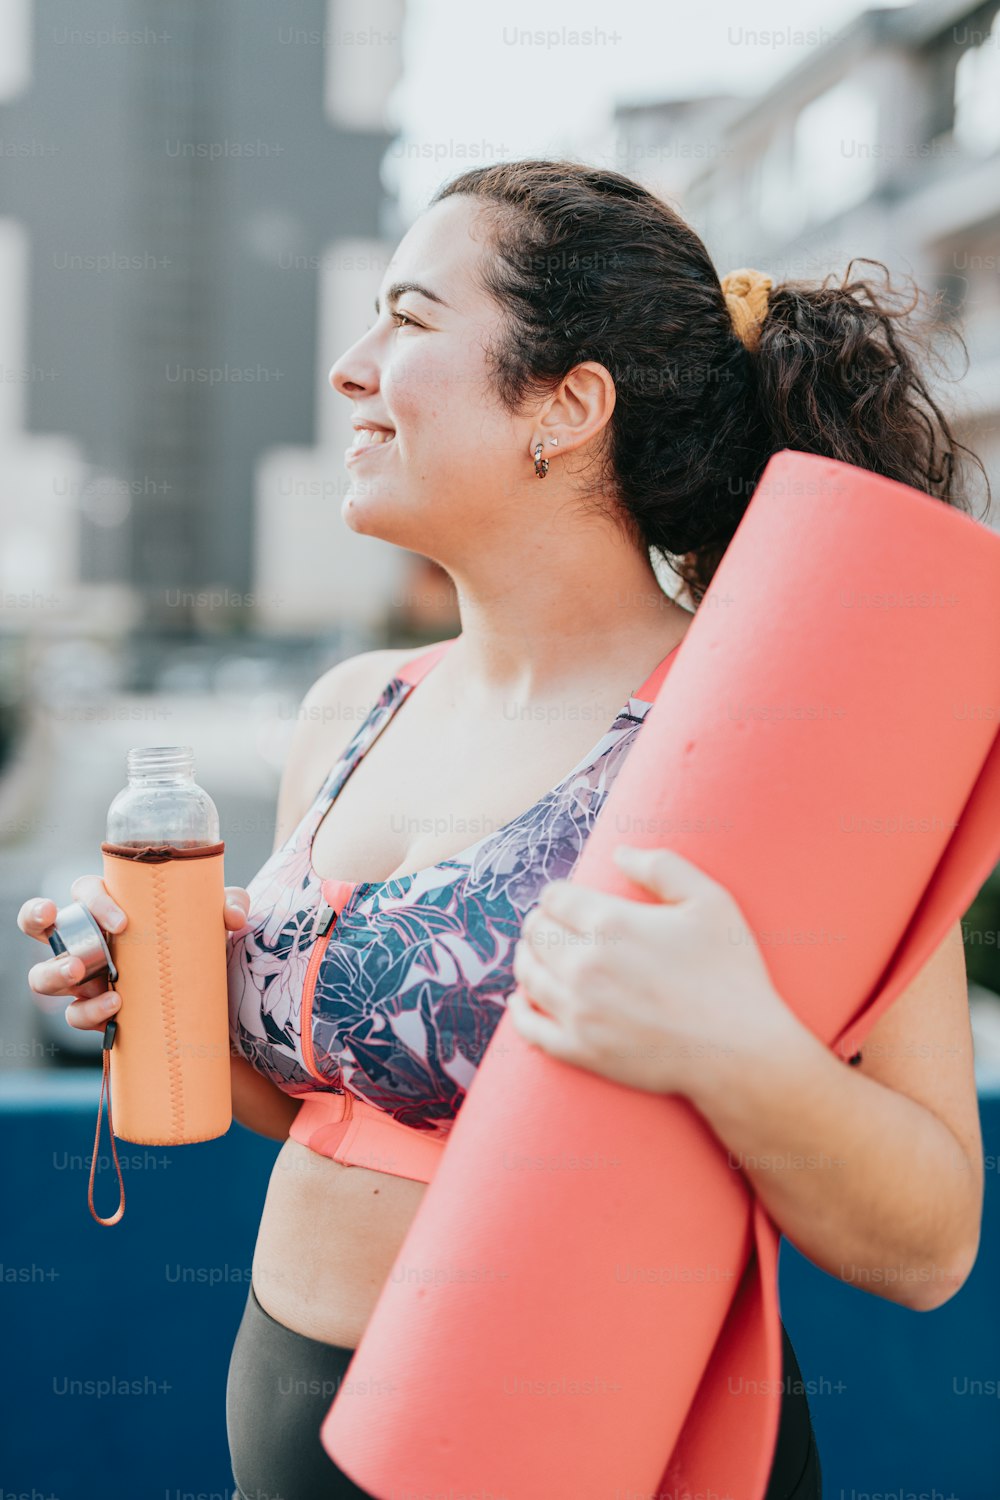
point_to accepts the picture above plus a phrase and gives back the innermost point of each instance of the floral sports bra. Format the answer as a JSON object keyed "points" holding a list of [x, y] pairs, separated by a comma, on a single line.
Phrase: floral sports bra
{"points": [[374, 1001]]}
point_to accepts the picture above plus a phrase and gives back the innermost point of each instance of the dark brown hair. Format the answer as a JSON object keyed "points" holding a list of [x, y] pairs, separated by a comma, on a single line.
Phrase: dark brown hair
{"points": [[589, 265]]}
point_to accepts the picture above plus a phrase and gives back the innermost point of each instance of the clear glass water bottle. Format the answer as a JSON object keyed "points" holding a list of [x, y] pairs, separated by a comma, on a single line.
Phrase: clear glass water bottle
{"points": [[162, 803]]}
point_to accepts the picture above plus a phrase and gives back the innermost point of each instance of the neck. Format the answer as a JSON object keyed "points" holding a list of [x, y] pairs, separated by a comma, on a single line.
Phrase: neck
{"points": [[533, 617]]}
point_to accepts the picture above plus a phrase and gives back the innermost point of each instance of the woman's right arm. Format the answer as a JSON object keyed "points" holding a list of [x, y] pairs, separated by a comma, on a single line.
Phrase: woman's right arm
{"points": [[325, 723], [257, 1103]]}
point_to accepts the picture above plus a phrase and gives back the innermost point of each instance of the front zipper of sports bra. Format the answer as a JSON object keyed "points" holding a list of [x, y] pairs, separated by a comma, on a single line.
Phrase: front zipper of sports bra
{"points": [[325, 922]]}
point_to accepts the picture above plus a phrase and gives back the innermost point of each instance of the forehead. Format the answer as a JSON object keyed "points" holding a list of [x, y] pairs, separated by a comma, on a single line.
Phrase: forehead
{"points": [[441, 250]]}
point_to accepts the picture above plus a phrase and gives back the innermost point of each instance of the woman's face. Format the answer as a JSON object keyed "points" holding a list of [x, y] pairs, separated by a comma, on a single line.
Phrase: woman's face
{"points": [[457, 467]]}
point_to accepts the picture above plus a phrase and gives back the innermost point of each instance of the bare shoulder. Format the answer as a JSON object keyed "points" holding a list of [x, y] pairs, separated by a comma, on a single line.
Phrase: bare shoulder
{"points": [[328, 716], [363, 676], [341, 699]]}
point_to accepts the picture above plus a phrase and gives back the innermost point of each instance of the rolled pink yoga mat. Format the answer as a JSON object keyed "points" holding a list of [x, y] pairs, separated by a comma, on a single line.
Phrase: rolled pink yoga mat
{"points": [[585, 1306]]}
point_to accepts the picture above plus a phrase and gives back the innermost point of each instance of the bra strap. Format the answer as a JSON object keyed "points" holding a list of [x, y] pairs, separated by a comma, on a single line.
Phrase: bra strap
{"points": [[649, 689], [419, 666]]}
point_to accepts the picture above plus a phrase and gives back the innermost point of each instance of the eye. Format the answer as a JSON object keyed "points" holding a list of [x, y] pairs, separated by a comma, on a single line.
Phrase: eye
{"points": [[400, 320]]}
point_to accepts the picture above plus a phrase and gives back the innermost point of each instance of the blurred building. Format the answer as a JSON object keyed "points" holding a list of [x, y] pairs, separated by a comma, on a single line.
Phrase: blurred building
{"points": [[667, 143], [193, 224], [884, 142]]}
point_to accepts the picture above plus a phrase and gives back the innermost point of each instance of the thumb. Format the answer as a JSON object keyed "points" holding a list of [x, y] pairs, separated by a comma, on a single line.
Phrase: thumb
{"points": [[665, 872], [237, 906]]}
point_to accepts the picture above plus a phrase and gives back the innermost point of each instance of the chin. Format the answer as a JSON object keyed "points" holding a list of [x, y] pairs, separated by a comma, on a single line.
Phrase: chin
{"points": [[382, 516]]}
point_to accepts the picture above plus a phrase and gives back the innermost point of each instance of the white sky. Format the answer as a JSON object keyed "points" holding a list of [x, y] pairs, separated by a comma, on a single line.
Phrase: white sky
{"points": [[467, 81]]}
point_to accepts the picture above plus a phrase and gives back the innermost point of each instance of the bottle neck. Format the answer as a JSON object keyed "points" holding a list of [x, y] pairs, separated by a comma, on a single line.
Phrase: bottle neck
{"points": [[160, 763]]}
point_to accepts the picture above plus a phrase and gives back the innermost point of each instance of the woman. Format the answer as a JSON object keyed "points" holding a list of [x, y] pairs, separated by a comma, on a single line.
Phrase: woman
{"points": [[552, 321]]}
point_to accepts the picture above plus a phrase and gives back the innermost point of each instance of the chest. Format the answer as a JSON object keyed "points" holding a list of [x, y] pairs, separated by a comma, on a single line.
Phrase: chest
{"points": [[427, 787]]}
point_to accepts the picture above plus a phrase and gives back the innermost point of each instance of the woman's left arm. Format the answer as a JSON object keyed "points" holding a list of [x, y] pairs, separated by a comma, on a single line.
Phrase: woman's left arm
{"points": [[875, 1171]]}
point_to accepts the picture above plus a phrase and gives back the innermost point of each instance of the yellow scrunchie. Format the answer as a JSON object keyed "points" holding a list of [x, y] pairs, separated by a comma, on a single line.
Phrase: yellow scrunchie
{"points": [[746, 297]]}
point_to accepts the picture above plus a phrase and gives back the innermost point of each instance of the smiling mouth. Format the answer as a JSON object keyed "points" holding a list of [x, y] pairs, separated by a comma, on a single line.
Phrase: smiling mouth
{"points": [[364, 437]]}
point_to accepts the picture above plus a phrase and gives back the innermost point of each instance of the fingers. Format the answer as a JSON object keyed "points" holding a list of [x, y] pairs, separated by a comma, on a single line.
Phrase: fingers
{"points": [[55, 977], [237, 907], [92, 1014], [92, 893], [35, 916]]}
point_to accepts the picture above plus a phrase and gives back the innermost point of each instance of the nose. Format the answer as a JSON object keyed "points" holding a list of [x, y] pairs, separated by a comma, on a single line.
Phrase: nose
{"points": [[355, 371]]}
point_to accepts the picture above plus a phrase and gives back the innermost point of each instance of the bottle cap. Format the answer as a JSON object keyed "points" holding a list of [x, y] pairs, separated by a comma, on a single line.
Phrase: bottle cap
{"points": [[76, 933]]}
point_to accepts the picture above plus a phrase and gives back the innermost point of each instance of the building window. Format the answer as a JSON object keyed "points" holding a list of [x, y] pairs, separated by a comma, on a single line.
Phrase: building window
{"points": [[977, 94], [363, 51], [15, 48], [781, 207], [836, 151]]}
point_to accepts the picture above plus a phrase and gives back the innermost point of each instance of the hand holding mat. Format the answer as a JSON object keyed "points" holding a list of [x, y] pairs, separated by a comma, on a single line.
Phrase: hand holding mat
{"points": [[829, 682]]}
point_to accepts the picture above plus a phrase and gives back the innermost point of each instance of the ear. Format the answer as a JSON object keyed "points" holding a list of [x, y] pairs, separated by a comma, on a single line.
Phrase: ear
{"points": [[579, 408]]}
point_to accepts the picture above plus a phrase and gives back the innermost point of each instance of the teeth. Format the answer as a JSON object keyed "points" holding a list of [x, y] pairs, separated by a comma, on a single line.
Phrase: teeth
{"points": [[364, 437]]}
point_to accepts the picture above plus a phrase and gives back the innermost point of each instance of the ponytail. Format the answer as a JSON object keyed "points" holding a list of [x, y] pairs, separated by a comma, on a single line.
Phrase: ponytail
{"points": [[842, 371]]}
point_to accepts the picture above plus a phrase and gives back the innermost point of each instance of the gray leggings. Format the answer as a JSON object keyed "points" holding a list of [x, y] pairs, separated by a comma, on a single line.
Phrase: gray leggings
{"points": [[281, 1385]]}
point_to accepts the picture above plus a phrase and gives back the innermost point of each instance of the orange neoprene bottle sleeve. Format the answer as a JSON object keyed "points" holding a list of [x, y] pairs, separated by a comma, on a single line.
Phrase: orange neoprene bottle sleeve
{"points": [[170, 1062]]}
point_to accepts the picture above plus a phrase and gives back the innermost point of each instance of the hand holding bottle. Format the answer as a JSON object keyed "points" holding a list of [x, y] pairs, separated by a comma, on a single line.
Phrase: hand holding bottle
{"points": [[157, 980], [54, 977]]}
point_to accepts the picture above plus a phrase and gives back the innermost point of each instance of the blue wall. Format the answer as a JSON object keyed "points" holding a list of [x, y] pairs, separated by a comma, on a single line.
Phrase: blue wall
{"points": [[890, 1390]]}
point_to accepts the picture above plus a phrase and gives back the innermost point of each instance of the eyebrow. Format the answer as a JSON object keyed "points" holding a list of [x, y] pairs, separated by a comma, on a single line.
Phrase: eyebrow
{"points": [[399, 288]]}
